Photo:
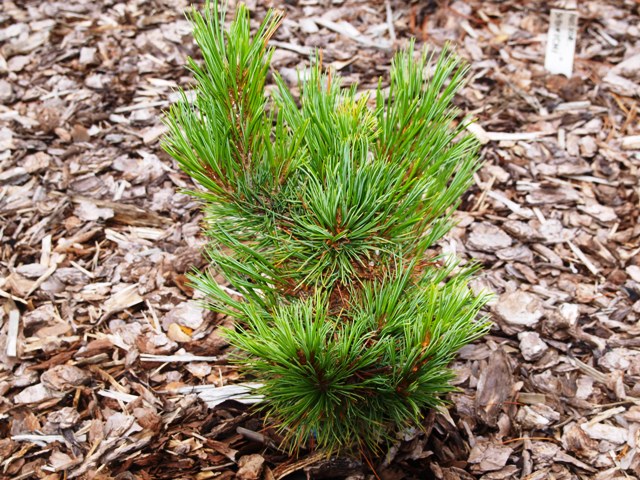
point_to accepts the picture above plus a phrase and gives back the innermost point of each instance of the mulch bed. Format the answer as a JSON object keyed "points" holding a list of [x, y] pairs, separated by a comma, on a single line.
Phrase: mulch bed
{"points": [[108, 369]]}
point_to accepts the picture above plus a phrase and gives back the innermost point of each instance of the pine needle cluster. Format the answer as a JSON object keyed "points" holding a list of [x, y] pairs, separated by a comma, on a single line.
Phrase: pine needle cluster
{"points": [[320, 211]]}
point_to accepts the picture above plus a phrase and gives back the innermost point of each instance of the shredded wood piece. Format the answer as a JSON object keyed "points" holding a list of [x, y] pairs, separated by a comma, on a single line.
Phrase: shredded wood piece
{"points": [[12, 333], [145, 357], [583, 258], [124, 397]]}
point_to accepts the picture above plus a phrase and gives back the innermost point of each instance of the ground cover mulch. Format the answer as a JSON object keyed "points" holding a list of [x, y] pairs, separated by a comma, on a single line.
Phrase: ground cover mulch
{"points": [[108, 369]]}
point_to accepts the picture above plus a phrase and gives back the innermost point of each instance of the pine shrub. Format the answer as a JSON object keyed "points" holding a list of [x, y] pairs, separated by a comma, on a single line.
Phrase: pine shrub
{"points": [[321, 210]]}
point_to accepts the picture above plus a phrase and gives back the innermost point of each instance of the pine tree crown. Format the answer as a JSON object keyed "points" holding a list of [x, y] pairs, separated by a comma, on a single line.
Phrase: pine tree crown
{"points": [[321, 210]]}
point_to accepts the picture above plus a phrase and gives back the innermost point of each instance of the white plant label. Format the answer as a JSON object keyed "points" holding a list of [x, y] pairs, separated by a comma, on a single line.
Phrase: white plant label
{"points": [[561, 42]]}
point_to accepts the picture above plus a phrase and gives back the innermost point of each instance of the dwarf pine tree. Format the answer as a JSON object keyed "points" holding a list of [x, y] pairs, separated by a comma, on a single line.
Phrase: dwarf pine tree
{"points": [[320, 211]]}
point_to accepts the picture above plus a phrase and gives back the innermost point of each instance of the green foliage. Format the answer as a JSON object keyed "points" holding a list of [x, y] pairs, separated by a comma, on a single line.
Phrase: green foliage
{"points": [[320, 211]]}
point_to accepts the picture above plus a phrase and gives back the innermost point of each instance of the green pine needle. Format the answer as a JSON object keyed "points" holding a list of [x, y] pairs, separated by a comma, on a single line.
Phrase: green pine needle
{"points": [[319, 212]]}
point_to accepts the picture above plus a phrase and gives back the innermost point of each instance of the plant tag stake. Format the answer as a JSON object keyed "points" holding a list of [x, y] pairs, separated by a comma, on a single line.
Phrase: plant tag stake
{"points": [[561, 42]]}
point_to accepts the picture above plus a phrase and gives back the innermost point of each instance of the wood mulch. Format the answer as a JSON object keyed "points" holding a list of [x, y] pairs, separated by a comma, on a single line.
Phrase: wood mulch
{"points": [[109, 370]]}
